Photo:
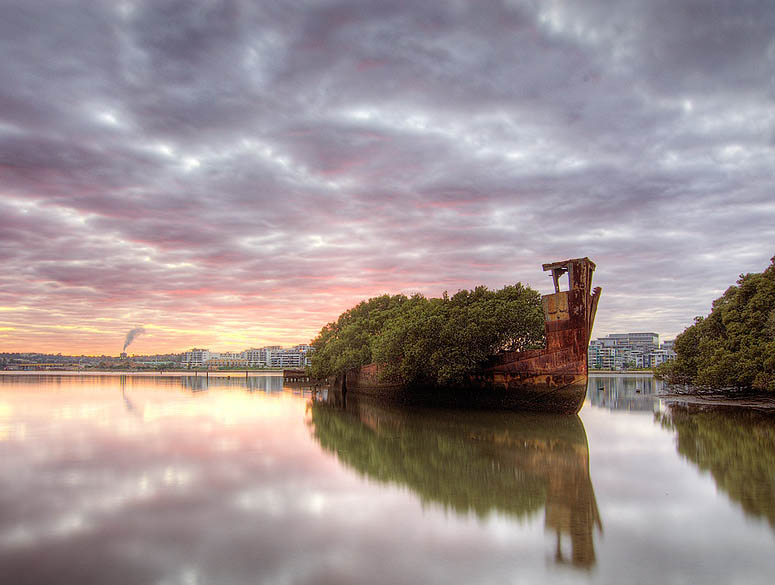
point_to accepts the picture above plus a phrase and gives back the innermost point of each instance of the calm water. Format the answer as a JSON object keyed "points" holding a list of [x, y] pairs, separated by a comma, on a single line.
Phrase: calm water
{"points": [[169, 480]]}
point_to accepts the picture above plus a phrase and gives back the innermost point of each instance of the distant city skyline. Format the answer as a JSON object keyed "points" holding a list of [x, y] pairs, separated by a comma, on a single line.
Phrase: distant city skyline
{"points": [[234, 350], [223, 174]]}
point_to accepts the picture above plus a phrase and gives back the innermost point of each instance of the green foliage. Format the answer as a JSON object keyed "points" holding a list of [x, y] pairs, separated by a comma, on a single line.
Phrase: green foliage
{"points": [[734, 346], [467, 462], [345, 343], [438, 340]]}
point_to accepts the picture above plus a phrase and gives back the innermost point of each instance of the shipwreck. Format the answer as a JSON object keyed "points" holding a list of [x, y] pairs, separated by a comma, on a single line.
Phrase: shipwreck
{"points": [[551, 379]]}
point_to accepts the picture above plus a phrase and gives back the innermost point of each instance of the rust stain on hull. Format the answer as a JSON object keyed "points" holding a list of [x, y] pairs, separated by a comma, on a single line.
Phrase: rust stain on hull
{"points": [[552, 379]]}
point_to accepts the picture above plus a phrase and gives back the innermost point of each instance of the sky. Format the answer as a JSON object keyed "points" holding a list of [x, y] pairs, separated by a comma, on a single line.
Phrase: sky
{"points": [[236, 174]]}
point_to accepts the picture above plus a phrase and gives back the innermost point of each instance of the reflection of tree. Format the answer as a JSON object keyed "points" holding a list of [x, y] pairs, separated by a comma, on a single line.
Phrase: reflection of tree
{"points": [[473, 462], [737, 447]]}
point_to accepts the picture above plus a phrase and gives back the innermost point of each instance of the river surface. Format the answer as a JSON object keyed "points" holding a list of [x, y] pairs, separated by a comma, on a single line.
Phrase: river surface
{"points": [[185, 480]]}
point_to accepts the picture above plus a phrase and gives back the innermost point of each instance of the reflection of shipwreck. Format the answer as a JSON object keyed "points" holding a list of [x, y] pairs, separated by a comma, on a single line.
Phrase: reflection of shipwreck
{"points": [[553, 379], [473, 462]]}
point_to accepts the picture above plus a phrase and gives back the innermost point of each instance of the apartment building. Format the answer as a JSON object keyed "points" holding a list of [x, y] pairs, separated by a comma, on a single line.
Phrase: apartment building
{"points": [[619, 351], [195, 358], [271, 356]]}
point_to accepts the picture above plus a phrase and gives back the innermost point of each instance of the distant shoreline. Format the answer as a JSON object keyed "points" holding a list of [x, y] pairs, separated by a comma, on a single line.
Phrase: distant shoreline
{"points": [[620, 372], [273, 371], [176, 372]]}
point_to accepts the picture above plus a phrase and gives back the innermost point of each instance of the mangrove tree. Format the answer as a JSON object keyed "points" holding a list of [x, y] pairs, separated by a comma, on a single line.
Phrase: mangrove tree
{"points": [[734, 346], [430, 340]]}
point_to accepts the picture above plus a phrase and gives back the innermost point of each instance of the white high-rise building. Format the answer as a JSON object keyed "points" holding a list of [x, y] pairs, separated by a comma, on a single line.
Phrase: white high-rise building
{"points": [[271, 356], [628, 350], [195, 358], [260, 357]]}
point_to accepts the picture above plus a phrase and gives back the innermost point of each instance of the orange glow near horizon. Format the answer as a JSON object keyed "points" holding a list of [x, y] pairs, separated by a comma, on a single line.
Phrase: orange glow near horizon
{"points": [[199, 323], [108, 338], [176, 323]]}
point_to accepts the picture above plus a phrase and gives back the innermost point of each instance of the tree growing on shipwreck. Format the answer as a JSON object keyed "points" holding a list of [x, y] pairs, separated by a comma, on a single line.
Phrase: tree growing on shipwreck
{"points": [[438, 341]]}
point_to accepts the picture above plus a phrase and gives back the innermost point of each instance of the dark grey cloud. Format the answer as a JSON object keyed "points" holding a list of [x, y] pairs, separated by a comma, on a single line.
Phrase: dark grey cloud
{"points": [[238, 154]]}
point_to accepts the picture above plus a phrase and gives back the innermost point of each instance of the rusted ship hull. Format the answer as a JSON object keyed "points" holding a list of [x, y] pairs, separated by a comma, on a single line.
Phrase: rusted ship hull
{"points": [[553, 379], [563, 394]]}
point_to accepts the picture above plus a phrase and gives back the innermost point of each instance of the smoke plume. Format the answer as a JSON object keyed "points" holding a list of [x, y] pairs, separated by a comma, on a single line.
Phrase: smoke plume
{"points": [[130, 337]]}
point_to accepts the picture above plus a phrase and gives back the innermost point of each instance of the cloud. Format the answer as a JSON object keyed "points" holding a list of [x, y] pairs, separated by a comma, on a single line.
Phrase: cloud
{"points": [[271, 165]]}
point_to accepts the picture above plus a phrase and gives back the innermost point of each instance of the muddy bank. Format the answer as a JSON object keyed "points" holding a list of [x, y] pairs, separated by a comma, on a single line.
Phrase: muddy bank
{"points": [[743, 399]]}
